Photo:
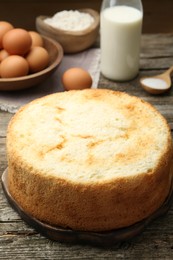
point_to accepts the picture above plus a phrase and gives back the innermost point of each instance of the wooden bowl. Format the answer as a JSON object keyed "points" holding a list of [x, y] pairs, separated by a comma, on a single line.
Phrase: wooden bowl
{"points": [[55, 51], [72, 42]]}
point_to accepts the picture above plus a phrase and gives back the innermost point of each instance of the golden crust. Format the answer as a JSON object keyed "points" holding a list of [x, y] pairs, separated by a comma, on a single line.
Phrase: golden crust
{"points": [[114, 193]]}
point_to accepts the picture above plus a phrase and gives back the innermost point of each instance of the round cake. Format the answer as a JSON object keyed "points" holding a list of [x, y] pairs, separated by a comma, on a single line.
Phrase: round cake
{"points": [[89, 160]]}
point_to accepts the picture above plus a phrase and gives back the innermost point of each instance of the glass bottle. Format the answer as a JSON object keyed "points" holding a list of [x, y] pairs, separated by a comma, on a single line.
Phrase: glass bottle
{"points": [[120, 30]]}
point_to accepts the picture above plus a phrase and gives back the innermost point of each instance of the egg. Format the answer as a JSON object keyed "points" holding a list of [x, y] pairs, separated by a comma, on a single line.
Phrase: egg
{"points": [[37, 58], [17, 41], [37, 40], [14, 66], [76, 78], [4, 28], [3, 54]]}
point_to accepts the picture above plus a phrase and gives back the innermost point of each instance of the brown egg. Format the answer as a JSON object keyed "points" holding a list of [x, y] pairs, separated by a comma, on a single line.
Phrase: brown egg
{"points": [[3, 54], [76, 78], [4, 28], [37, 58], [37, 40], [14, 66], [17, 41]]}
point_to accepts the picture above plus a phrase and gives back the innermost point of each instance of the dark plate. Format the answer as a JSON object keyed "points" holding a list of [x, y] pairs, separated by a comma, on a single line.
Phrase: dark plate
{"points": [[106, 239]]}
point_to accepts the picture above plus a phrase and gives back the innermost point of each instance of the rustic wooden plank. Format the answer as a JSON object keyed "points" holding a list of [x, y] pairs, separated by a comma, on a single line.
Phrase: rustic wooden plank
{"points": [[4, 119], [156, 45], [14, 228], [133, 87], [7, 214], [155, 241], [156, 52], [3, 163], [156, 66]]}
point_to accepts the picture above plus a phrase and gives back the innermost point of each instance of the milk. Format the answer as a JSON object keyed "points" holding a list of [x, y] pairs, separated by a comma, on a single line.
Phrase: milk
{"points": [[120, 42]]}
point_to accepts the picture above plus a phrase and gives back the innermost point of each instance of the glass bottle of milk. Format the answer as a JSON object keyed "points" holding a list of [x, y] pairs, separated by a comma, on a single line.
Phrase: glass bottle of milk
{"points": [[120, 31]]}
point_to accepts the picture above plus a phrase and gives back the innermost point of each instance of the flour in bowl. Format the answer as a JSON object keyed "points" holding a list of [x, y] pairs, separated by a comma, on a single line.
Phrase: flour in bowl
{"points": [[71, 20]]}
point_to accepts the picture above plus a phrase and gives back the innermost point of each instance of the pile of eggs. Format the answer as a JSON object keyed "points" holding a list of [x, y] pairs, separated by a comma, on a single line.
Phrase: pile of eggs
{"points": [[21, 52]]}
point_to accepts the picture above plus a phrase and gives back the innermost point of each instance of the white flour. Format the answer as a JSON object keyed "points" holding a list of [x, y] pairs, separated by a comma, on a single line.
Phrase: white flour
{"points": [[70, 20]]}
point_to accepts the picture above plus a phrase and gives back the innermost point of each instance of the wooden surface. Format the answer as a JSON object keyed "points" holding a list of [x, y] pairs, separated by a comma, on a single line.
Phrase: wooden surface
{"points": [[19, 241]]}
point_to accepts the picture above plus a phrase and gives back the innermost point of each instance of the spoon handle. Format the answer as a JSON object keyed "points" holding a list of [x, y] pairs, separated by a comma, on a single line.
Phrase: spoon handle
{"points": [[170, 70]]}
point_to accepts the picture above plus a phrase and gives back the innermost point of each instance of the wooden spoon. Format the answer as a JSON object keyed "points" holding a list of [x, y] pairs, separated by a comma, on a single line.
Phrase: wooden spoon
{"points": [[157, 84]]}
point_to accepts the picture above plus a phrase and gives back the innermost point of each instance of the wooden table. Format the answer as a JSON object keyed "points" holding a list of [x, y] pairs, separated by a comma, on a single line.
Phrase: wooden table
{"points": [[19, 241]]}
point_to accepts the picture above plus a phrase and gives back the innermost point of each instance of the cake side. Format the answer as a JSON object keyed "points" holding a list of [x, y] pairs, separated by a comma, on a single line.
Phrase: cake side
{"points": [[117, 204], [108, 173]]}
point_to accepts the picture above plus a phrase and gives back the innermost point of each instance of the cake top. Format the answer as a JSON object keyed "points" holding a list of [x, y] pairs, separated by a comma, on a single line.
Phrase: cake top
{"points": [[89, 135]]}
